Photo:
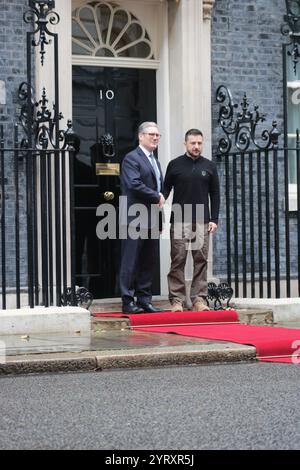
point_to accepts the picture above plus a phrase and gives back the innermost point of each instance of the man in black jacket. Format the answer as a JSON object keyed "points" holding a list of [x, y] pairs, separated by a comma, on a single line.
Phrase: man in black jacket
{"points": [[196, 184]]}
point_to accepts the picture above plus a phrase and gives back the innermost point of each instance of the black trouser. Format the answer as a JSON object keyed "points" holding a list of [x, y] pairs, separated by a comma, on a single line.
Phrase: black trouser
{"points": [[139, 258]]}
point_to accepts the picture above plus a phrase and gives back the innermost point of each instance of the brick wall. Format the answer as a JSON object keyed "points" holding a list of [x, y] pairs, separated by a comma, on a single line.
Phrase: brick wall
{"points": [[12, 58], [12, 73], [246, 51]]}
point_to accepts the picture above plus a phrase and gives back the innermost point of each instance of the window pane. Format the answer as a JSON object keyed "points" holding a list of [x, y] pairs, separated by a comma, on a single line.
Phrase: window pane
{"points": [[141, 49], [291, 75], [103, 16], [293, 113], [292, 160], [293, 110]]}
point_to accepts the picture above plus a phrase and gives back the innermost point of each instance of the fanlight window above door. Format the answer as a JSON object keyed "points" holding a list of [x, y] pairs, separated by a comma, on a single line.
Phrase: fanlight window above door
{"points": [[102, 29]]}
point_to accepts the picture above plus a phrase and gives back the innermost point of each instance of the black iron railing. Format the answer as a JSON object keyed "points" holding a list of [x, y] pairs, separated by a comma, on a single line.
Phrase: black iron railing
{"points": [[37, 213], [37, 218], [262, 228]]}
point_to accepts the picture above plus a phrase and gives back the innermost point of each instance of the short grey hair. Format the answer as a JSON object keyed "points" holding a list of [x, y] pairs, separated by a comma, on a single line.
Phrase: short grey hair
{"points": [[145, 125]]}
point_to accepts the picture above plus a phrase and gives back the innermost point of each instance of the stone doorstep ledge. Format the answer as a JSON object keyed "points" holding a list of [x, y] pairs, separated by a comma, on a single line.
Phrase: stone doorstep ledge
{"points": [[218, 352], [44, 320], [284, 309], [248, 316]]}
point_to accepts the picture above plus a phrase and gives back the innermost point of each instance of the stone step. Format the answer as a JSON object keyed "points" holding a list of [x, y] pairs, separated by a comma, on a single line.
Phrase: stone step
{"points": [[102, 324], [252, 316], [246, 316], [284, 309]]}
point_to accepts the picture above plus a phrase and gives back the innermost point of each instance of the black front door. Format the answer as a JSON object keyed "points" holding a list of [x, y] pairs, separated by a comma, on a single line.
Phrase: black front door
{"points": [[108, 106]]}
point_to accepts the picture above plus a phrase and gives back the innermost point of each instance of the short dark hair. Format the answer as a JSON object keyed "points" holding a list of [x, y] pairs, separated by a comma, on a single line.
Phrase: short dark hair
{"points": [[192, 132]]}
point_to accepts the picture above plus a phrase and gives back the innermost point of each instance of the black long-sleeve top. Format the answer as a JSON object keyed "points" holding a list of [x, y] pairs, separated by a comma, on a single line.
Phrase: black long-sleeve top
{"points": [[195, 181]]}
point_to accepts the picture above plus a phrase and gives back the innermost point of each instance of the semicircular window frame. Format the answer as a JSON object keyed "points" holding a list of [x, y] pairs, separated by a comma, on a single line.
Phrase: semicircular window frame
{"points": [[115, 40]]}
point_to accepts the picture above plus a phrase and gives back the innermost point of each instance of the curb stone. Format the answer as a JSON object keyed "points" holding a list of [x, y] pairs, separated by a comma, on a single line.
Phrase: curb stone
{"points": [[144, 357]]}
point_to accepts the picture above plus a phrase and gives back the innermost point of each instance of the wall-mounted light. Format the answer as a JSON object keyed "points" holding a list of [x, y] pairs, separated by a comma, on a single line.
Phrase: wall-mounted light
{"points": [[291, 28]]}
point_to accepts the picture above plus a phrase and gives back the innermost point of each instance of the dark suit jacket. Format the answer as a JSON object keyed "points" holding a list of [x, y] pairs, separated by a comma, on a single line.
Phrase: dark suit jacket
{"points": [[138, 184]]}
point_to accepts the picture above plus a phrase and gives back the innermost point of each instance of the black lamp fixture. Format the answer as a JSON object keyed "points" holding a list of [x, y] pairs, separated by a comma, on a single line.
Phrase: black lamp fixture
{"points": [[291, 28], [293, 13], [49, 3]]}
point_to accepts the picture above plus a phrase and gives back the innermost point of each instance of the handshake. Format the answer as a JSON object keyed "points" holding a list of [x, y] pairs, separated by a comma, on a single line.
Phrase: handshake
{"points": [[161, 201]]}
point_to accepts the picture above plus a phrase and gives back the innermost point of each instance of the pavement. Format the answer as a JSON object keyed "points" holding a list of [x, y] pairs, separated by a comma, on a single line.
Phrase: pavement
{"points": [[112, 344]]}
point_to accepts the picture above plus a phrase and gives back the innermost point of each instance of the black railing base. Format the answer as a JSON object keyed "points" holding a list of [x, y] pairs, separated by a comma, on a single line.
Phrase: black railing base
{"points": [[219, 295], [83, 298]]}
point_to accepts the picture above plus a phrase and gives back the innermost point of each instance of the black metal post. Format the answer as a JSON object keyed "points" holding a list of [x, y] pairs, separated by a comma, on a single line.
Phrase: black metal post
{"points": [[64, 221], [58, 198], [72, 222], [235, 228], [228, 231], [57, 190], [276, 224], [50, 224], [267, 224], [244, 232], [251, 219], [287, 223], [17, 217], [35, 234], [260, 223], [44, 228]]}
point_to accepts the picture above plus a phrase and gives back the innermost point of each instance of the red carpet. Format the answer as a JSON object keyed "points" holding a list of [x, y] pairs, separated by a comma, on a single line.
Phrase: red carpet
{"points": [[272, 344]]}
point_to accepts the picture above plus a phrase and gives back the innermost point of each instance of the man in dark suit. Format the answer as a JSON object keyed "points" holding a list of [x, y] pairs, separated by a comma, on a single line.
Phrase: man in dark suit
{"points": [[141, 187]]}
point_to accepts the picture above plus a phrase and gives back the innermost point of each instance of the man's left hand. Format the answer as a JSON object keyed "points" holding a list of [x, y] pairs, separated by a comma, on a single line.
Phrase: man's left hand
{"points": [[212, 227]]}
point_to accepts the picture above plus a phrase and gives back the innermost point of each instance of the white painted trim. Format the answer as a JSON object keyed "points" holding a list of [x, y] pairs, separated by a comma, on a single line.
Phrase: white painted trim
{"points": [[293, 202], [44, 77], [293, 84], [115, 62], [79, 3], [163, 120]]}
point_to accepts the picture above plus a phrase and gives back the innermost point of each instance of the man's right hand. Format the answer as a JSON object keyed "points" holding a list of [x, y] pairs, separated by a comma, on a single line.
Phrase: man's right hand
{"points": [[161, 201]]}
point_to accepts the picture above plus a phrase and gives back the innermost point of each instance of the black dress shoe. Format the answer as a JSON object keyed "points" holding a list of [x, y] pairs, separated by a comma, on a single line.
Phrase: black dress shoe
{"points": [[131, 308], [148, 307]]}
